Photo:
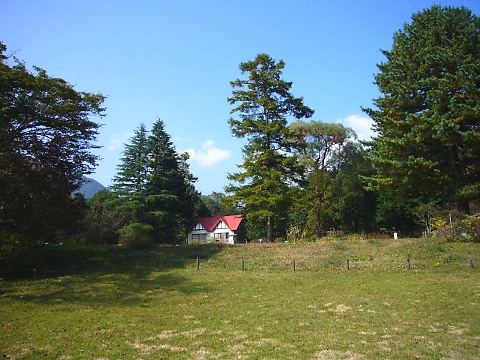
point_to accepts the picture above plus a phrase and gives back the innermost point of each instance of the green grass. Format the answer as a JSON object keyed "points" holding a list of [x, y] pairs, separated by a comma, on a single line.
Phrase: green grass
{"points": [[116, 303]]}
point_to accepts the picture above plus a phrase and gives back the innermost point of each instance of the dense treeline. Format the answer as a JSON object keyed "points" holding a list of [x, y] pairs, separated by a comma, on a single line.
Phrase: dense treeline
{"points": [[300, 178], [422, 164]]}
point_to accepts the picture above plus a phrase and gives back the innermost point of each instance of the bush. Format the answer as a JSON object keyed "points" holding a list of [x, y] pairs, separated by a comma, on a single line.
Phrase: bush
{"points": [[295, 234], [279, 240], [466, 228], [137, 235]]}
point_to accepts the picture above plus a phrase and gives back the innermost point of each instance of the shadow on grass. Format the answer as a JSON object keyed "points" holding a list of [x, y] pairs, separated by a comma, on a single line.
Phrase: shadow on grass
{"points": [[101, 275]]}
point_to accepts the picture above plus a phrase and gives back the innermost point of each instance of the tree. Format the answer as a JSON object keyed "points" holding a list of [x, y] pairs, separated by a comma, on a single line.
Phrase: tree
{"points": [[155, 187], [46, 138], [105, 217], [168, 196], [132, 172], [318, 141], [354, 206], [428, 117], [263, 103]]}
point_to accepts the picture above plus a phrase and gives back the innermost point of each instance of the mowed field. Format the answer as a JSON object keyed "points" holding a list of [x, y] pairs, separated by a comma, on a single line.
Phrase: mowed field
{"points": [[284, 301]]}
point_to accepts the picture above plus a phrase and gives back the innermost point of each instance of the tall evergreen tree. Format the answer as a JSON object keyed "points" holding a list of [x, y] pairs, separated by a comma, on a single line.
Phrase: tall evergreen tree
{"points": [[133, 174], [155, 185], [263, 103], [428, 117], [167, 195]]}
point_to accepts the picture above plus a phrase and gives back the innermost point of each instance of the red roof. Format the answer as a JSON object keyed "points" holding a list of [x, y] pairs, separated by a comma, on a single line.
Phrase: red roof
{"points": [[209, 223]]}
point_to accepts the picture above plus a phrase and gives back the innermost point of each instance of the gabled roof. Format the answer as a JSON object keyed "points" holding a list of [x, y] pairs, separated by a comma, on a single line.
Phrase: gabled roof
{"points": [[209, 223]]}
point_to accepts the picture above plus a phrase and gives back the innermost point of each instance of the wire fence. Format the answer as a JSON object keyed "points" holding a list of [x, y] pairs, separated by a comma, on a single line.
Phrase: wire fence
{"points": [[320, 264]]}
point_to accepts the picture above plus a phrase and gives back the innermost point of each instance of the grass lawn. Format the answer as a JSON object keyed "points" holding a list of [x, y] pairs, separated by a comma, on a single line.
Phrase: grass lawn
{"points": [[155, 304]]}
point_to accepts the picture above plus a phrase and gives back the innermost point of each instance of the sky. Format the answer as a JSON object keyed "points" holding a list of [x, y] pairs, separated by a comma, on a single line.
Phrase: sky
{"points": [[174, 60]]}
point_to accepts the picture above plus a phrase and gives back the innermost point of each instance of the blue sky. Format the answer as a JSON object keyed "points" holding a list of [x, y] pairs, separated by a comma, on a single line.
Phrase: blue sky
{"points": [[174, 60]]}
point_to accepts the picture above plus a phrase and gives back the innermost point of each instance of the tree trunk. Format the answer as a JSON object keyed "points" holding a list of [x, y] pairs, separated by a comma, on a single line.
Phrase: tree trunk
{"points": [[318, 228], [269, 229]]}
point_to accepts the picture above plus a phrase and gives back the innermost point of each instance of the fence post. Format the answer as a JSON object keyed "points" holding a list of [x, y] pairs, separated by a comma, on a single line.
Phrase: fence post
{"points": [[408, 264], [198, 263], [294, 265], [348, 264], [243, 265], [471, 264]]}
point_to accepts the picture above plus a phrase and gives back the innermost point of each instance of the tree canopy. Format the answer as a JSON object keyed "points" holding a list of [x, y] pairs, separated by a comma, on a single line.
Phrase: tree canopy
{"points": [[263, 103], [156, 187], [428, 117], [45, 147]]}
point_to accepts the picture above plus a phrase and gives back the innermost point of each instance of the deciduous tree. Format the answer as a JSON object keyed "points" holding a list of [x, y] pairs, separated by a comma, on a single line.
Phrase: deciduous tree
{"points": [[46, 138]]}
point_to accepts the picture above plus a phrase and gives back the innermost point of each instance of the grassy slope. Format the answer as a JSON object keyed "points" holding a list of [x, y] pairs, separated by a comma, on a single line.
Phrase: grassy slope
{"points": [[116, 303]]}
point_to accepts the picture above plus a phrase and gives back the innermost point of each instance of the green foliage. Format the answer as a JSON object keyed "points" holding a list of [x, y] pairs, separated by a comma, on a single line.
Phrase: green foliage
{"points": [[295, 234], [428, 143], [46, 139], [318, 141], [457, 228], [263, 103], [216, 203], [137, 235], [155, 185], [106, 215], [354, 206]]}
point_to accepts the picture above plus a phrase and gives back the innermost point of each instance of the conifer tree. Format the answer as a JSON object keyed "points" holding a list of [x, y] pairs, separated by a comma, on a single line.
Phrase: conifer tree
{"points": [[132, 177], [428, 117], [263, 103], [168, 199], [155, 185]]}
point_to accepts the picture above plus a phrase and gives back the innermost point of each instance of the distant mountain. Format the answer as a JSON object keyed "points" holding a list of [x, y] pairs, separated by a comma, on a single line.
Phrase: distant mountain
{"points": [[90, 187]]}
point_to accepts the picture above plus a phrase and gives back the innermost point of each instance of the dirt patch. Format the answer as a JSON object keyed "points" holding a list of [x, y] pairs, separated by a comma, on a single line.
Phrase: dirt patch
{"points": [[342, 308], [147, 349], [337, 355]]}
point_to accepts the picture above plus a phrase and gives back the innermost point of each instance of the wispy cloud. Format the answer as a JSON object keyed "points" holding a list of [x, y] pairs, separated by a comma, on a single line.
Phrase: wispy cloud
{"points": [[362, 125], [118, 140], [208, 155]]}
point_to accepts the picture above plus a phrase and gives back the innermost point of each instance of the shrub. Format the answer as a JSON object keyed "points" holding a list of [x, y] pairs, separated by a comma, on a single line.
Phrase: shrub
{"points": [[295, 234], [136, 235], [466, 228], [279, 240]]}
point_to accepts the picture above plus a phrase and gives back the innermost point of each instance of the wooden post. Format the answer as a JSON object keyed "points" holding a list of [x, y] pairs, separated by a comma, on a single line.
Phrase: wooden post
{"points": [[243, 265], [198, 263], [348, 264], [294, 265], [408, 264]]}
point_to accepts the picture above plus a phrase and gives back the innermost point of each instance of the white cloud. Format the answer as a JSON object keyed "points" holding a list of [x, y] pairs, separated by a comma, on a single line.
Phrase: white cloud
{"points": [[362, 125], [118, 140], [208, 154]]}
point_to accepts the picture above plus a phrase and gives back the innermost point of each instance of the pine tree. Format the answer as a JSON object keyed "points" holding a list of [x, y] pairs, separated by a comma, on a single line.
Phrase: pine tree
{"points": [[318, 142], [167, 196], [428, 117], [156, 186], [132, 177], [263, 103]]}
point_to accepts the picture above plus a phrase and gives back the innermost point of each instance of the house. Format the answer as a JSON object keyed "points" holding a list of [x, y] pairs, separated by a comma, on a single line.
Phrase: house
{"points": [[226, 229]]}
